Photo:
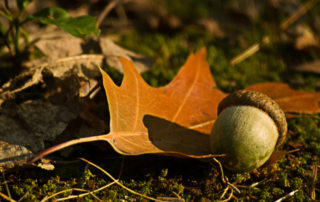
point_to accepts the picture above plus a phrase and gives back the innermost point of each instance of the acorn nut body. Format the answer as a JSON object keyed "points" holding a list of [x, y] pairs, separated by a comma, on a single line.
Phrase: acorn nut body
{"points": [[248, 128]]}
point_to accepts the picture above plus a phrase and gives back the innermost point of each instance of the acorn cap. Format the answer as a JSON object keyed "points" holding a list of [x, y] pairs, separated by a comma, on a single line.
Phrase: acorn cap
{"points": [[260, 101]]}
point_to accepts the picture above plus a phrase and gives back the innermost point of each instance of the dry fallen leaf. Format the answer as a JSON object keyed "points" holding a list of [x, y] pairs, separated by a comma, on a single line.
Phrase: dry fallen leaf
{"points": [[84, 66], [29, 125], [32, 123], [212, 26], [63, 58], [112, 52], [175, 120], [312, 67], [56, 47], [60, 48], [306, 38], [13, 156], [289, 100]]}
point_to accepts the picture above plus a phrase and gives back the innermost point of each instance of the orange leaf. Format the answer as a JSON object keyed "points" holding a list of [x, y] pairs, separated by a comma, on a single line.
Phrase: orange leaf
{"points": [[177, 117], [173, 120], [289, 100]]}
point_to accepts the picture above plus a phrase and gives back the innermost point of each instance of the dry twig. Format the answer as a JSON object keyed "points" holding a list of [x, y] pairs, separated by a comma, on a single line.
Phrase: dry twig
{"points": [[107, 9], [287, 196], [117, 181], [284, 25], [6, 197], [227, 183], [298, 13], [254, 184], [313, 182], [82, 195], [224, 192], [249, 51], [7, 187], [26, 194]]}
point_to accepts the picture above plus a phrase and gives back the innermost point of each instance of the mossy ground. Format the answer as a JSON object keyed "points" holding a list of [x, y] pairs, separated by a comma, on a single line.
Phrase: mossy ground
{"points": [[194, 180]]}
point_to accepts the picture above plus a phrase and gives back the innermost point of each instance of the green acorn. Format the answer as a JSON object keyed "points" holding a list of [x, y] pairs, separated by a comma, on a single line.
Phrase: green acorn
{"points": [[248, 128]]}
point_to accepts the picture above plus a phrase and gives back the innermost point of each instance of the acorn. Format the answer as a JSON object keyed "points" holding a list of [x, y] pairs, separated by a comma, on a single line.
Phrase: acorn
{"points": [[248, 128]]}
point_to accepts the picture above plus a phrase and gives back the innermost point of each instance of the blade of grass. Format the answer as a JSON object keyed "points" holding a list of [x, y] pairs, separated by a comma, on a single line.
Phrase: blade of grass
{"points": [[116, 181]]}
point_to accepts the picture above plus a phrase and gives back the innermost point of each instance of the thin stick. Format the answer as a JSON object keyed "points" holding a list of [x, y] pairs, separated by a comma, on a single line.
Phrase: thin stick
{"points": [[106, 10], [297, 14], [229, 198], [95, 197], [4, 182], [254, 184], [256, 47], [234, 187], [287, 196], [313, 183], [174, 193], [116, 181], [222, 175], [224, 192], [25, 194], [61, 199], [223, 178], [60, 192], [6, 197], [82, 195], [249, 51], [7, 187], [76, 196]]}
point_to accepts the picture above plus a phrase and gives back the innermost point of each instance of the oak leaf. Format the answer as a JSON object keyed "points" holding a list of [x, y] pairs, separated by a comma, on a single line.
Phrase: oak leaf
{"points": [[288, 99], [175, 120]]}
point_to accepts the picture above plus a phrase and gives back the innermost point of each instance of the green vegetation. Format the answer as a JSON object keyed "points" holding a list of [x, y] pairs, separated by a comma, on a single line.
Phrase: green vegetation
{"points": [[79, 27], [193, 180]]}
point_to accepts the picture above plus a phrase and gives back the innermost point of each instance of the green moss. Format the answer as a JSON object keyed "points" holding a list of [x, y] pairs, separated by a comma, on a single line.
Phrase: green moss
{"points": [[266, 65], [296, 183], [193, 180], [283, 180], [241, 177], [307, 130]]}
